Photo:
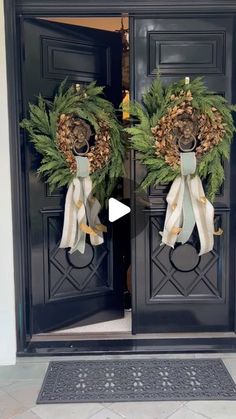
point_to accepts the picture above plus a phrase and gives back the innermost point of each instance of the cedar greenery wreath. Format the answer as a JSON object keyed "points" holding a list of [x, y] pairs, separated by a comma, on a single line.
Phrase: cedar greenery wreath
{"points": [[60, 128], [181, 112]]}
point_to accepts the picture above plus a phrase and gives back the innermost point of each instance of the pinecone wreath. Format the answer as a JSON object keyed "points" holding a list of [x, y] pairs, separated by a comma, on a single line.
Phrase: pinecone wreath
{"points": [[79, 121], [184, 122], [183, 134], [73, 134], [80, 141], [178, 118]]}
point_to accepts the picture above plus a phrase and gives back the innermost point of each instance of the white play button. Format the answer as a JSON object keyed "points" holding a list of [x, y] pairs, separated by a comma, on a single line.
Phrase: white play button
{"points": [[116, 209]]}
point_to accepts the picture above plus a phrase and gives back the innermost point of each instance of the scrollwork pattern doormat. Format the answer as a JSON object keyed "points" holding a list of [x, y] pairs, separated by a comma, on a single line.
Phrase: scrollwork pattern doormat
{"points": [[136, 380]]}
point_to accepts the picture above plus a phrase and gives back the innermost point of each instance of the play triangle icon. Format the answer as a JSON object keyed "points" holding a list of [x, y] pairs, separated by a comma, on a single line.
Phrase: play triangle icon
{"points": [[116, 209]]}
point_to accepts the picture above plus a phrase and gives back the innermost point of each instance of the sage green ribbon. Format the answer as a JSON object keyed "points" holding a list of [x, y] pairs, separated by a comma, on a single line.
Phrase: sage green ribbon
{"points": [[81, 207], [82, 166], [187, 206], [188, 167]]}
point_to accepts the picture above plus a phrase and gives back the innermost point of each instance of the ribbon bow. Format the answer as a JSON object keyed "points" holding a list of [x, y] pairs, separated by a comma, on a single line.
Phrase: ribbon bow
{"points": [[81, 207], [187, 206]]}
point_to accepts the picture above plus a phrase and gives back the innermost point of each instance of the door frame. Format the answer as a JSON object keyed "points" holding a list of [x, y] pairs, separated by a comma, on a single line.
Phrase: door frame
{"points": [[15, 9]]}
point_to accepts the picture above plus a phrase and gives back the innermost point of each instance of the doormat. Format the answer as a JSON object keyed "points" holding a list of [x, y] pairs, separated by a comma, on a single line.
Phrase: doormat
{"points": [[136, 380]]}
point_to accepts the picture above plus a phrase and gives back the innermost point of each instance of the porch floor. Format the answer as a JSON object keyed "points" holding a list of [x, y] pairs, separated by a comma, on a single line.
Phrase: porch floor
{"points": [[119, 325], [20, 384]]}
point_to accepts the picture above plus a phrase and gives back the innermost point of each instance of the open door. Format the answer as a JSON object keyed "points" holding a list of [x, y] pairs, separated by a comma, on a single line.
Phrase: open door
{"points": [[67, 288]]}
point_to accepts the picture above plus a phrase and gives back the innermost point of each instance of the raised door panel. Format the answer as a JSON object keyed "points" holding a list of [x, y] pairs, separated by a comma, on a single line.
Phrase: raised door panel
{"points": [[181, 274], [71, 275], [183, 46], [60, 60], [178, 52]]}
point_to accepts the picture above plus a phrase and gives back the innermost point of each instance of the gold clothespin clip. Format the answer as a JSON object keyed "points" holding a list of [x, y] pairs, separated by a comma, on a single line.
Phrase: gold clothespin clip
{"points": [[218, 232], [176, 230], [203, 200]]}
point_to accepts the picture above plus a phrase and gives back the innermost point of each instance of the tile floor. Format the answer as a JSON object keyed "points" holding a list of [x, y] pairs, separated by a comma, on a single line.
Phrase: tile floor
{"points": [[20, 384]]}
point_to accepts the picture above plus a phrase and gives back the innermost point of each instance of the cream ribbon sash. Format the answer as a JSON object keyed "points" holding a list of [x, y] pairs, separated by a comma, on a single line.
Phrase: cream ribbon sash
{"points": [[80, 207], [187, 206]]}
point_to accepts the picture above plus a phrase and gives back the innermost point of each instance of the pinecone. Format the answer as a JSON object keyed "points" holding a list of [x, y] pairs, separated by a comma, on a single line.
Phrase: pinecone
{"points": [[99, 153]]}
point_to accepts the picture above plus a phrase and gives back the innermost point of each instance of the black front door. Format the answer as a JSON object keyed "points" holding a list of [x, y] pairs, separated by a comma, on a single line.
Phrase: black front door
{"points": [[176, 290], [67, 288]]}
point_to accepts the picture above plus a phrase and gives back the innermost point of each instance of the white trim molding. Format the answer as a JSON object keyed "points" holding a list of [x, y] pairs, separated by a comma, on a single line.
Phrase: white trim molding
{"points": [[7, 297]]}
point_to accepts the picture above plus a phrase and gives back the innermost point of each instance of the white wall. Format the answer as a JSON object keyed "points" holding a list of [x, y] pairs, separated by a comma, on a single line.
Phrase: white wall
{"points": [[7, 303]]}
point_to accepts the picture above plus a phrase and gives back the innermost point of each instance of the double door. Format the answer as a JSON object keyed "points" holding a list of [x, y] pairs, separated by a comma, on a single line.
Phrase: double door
{"points": [[172, 290]]}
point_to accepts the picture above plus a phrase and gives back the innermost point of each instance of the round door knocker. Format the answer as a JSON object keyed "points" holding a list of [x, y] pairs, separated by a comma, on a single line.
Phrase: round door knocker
{"points": [[185, 144], [81, 136], [76, 149], [186, 136]]}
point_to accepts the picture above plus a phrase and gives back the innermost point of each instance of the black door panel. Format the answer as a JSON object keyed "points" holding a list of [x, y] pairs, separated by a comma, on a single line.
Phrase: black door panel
{"points": [[176, 290], [67, 288]]}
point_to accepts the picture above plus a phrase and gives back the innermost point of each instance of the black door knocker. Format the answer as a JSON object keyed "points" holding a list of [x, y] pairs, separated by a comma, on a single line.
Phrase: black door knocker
{"points": [[187, 137], [82, 134]]}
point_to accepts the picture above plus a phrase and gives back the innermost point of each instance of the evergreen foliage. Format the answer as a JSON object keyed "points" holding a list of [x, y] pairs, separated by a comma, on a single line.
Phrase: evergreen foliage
{"points": [[156, 102]]}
